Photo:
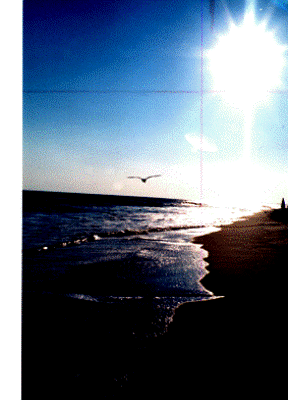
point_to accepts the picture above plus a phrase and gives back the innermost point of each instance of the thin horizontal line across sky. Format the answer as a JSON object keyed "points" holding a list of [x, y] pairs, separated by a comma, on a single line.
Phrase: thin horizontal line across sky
{"points": [[108, 91], [120, 91]]}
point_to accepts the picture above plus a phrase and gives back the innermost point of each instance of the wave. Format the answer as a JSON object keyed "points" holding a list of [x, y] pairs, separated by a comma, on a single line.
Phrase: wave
{"points": [[104, 235]]}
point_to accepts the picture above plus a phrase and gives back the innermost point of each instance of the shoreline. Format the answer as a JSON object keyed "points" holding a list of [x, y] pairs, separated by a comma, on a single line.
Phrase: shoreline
{"points": [[241, 336], [247, 254], [232, 344]]}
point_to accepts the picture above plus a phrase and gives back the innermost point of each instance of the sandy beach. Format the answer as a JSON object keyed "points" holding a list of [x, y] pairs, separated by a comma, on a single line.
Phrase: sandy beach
{"points": [[231, 346], [248, 257], [242, 336]]}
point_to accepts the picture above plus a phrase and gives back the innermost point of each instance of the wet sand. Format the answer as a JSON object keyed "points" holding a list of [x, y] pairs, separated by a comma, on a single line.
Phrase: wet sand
{"points": [[232, 346], [247, 258]]}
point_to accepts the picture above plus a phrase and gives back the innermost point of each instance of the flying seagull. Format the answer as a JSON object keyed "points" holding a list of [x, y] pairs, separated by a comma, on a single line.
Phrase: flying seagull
{"points": [[143, 179]]}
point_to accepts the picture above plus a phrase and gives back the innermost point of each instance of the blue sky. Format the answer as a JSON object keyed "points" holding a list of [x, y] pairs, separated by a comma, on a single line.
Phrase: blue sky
{"points": [[112, 89]]}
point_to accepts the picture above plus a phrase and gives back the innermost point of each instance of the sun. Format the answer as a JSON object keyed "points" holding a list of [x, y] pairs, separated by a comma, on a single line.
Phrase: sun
{"points": [[247, 63]]}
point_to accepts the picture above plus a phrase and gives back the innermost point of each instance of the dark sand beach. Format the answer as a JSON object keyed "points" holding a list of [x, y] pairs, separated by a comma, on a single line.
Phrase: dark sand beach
{"points": [[248, 257], [231, 346], [243, 336]]}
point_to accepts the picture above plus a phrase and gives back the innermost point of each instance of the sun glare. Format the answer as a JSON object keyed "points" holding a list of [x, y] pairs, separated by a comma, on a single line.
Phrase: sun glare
{"points": [[240, 184], [246, 63]]}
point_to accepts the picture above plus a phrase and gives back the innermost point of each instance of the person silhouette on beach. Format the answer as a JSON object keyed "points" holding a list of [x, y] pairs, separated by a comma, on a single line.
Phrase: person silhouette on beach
{"points": [[283, 204]]}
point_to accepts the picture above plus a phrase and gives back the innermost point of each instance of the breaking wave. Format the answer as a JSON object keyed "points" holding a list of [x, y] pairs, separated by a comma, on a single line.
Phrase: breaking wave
{"points": [[104, 235]]}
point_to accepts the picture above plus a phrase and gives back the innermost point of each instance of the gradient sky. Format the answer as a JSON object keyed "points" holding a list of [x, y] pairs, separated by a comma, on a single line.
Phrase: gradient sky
{"points": [[100, 102]]}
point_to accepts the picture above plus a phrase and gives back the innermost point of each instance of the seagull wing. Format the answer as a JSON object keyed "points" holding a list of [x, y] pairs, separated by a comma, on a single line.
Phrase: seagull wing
{"points": [[132, 177], [152, 176]]}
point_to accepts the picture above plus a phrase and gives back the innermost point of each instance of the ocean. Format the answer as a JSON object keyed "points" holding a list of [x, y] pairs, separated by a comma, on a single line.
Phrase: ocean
{"points": [[118, 250]]}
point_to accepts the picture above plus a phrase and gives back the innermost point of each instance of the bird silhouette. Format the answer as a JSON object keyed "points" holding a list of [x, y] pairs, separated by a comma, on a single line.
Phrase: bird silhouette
{"points": [[143, 179]]}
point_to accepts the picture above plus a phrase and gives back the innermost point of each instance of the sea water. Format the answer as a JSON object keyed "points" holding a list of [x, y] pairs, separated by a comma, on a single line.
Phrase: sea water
{"points": [[119, 250]]}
